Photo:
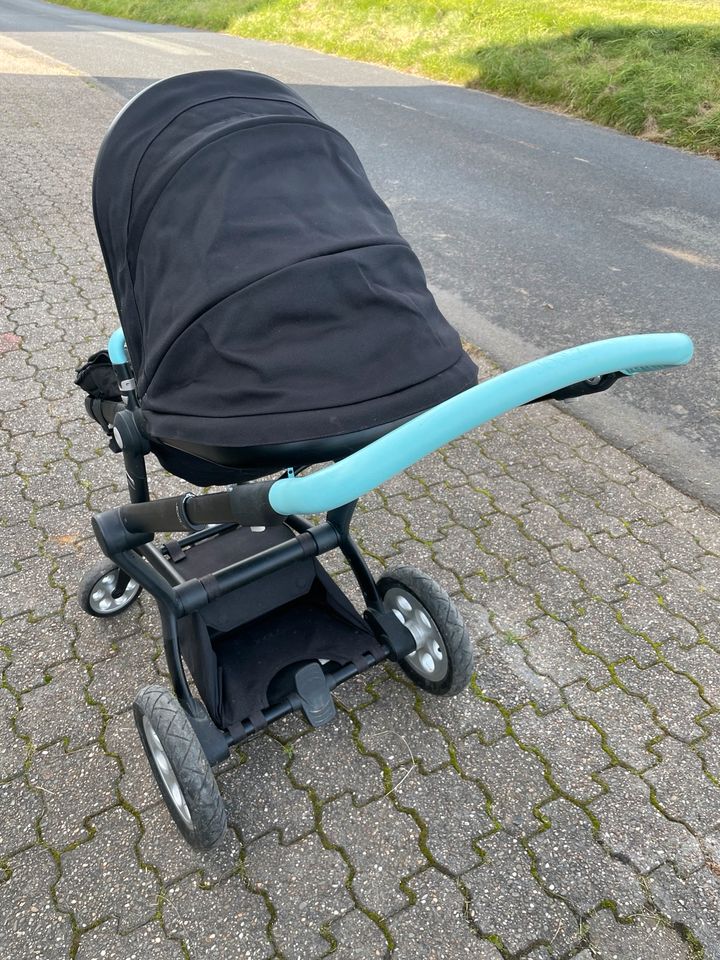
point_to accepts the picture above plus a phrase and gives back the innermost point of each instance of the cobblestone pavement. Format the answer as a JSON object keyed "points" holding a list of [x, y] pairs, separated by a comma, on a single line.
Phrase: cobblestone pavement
{"points": [[566, 806]]}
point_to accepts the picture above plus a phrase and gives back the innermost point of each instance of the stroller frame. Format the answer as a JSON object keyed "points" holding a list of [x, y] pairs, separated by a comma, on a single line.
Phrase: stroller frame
{"points": [[125, 535], [150, 566]]}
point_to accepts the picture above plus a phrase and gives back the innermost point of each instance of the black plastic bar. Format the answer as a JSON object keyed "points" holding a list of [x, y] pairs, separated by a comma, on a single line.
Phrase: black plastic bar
{"points": [[317, 540], [174, 662], [210, 531], [159, 561]]}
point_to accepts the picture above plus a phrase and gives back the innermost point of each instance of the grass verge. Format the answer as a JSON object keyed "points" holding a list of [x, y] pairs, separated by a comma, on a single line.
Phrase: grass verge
{"points": [[647, 67]]}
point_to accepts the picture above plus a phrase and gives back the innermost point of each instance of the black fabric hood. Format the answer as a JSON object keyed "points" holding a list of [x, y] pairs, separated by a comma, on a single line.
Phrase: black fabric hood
{"points": [[265, 293]]}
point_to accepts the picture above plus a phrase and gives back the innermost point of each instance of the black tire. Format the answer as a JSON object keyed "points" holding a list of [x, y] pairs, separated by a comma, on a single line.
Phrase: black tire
{"points": [[178, 763], [448, 646], [95, 591]]}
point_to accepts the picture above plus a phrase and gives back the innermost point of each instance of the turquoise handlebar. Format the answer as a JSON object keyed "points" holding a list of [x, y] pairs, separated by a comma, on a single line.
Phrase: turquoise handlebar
{"points": [[379, 461]]}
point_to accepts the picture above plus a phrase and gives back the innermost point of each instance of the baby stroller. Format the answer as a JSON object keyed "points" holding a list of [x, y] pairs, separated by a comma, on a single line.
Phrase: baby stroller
{"points": [[273, 320]]}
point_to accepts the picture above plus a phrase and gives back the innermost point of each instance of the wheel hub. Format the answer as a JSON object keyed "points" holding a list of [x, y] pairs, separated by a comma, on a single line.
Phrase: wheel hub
{"points": [[102, 599], [430, 656]]}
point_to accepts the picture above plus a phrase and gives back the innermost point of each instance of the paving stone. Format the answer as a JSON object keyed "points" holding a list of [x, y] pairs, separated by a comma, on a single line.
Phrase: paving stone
{"points": [[557, 590], [59, 709], [99, 638], [572, 748], [466, 456], [453, 811], [676, 547], [30, 591], [31, 926], [460, 552], [162, 848], [508, 903], [599, 630], [511, 607], [437, 927], [74, 786], [643, 612], [599, 575], [573, 865], [330, 763], [692, 902], [635, 831], [21, 809], [148, 941], [223, 921], [469, 508], [467, 713], [36, 647], [649, 487], [379, 533], [646, 937], [504, 676], [13, 749], [116, 681], [673, 697], [702, 663], [17, 543], [542, 522], [425, 518], [107, 865], [691, 597], [306, 884], [639, 561], [415, 553], [381, 843], [391, 729], [136, 784], [709, 748], [353, 693], [552, 652], [683, 790], [357, 938], [503, 537], [57, 485], [259, 795], [513, 778], [625, 722], [582, 512], [618, 500]]}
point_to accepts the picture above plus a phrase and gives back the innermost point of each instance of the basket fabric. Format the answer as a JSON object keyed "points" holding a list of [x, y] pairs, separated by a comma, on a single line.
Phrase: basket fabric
{"points": [[264, 290]]}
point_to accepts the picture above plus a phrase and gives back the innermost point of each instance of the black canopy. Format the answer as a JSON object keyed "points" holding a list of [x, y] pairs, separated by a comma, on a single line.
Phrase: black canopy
{"points": [[265, 293]]}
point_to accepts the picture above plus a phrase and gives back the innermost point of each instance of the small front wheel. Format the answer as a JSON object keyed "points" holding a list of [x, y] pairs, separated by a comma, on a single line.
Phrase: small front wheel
{"points": [[105, 590], [180, 767], [442, 663]]}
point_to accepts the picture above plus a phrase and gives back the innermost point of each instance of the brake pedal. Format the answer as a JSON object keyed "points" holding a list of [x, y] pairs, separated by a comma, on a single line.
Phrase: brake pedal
{"points": [[315, 697]]}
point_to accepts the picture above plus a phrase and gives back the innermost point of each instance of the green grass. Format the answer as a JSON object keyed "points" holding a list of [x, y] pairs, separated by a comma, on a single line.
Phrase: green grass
{"points": [[648, 67]]}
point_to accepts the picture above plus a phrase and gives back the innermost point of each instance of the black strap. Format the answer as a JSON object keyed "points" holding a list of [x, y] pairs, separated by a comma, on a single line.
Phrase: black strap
{"points": [[175, 551], [211, 586]]}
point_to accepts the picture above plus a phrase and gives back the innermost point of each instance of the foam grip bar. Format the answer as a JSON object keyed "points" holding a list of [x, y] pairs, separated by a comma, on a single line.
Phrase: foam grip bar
{"points": [[247, 505], [362, 471]]}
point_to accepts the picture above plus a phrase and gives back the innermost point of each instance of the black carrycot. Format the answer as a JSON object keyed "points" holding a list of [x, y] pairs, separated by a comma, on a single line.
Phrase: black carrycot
{"points": [[265, 293]]}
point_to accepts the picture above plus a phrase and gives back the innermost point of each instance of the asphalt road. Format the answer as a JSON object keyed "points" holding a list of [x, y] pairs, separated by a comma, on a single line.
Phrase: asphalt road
{"points": [[537, 231]]}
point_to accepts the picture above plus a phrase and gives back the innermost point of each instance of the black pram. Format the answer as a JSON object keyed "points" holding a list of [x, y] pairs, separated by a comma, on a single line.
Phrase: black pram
{"points": [[273, 319]]}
